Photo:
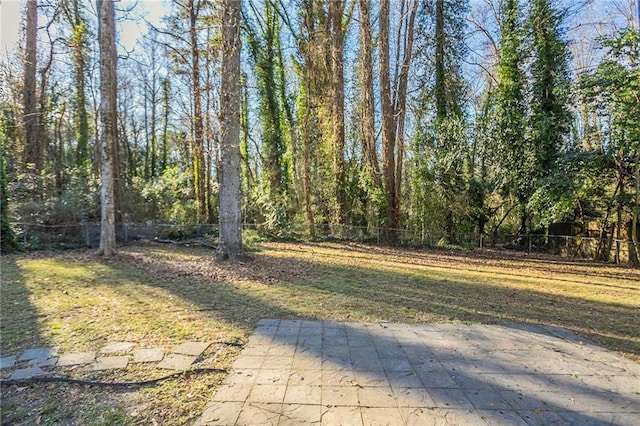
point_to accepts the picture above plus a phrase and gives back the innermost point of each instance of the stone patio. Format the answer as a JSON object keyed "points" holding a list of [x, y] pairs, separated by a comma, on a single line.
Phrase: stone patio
{"points": [[326, 373]]}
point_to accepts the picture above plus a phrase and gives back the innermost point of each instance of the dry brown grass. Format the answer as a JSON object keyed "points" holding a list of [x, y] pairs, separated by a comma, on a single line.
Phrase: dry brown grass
{"points": [[159, 295]]}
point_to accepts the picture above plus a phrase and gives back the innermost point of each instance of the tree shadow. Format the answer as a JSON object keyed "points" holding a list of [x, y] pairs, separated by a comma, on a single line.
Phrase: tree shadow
{"points": [[419, 373], [19, 328], [372, 293]]}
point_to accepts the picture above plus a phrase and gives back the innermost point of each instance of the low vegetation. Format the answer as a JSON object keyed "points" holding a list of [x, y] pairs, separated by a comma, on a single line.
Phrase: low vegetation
{"points": [[163, 295]]}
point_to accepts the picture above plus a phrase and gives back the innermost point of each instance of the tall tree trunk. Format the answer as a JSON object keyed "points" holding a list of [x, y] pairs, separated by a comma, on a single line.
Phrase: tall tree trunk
{"points": [[336, 9], [198, 130], [78, 42], [633, 251], [230, 246], [31, 119], [166, 96], [388, 123], [108, 117], [400, 102], [368, 107]]}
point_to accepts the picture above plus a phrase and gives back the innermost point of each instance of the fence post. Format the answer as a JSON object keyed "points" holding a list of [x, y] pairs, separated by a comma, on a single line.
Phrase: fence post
{"points": [[529, 243], [85, 231]]}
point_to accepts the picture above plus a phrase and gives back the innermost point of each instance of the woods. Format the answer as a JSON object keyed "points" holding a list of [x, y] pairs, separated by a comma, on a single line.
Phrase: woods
{"points": [[492, 117]]}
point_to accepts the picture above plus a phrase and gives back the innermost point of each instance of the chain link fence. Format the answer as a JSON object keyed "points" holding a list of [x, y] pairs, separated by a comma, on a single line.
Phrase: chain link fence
{"points": [[87, 234]]}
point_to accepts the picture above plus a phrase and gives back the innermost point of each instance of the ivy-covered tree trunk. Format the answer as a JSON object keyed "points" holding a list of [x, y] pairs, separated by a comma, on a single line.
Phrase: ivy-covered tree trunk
{"points": [[510, 118], [230, 246], [199, 167], [108, 129], [550, 116], [78, 44]]}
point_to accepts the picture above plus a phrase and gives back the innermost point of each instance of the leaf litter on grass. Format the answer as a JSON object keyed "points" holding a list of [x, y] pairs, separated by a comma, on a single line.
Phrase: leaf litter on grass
{"points": [[158, 295]]}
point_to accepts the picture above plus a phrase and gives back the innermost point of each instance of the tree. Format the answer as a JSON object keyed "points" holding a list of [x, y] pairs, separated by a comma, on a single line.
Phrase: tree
{"points": [[394, 100], [510, 117], [266, 53], [336, 12], [550, 115], [8, 242], [31, 118], [230, 246], [442, 126], [613, 90], [78, 43], [108, 124], [371, 179]]}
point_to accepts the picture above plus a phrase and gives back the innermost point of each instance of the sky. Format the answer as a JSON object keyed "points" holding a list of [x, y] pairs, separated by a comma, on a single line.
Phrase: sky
{"points": [[129, 30]]}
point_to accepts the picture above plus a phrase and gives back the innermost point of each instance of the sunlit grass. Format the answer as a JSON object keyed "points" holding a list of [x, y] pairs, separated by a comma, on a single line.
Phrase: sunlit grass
{"points": [[159, 295]]}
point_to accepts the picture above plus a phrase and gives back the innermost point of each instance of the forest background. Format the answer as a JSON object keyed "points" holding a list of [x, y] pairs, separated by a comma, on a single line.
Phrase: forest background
{"points": [[484, 117]]}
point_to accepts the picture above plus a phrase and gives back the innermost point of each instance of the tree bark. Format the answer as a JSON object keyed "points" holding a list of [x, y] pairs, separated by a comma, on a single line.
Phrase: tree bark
{"points": [[368, 107], [199, 182], [388, 122], [336, 9], [31, 119], [108, 129], [230, 246]]}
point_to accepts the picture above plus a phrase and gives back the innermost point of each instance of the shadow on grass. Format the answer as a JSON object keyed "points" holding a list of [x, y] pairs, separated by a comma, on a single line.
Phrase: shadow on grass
{"points": [[475, 377], [415, 295], [19, 328], [360, 293]]}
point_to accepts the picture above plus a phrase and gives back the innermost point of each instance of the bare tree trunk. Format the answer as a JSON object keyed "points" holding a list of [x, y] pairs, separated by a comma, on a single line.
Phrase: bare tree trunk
{"points": [[388, 126], [368, 107], [198, 130], [108, 117], [336, 9], [230, 246], [33, 149], [400, 102]]}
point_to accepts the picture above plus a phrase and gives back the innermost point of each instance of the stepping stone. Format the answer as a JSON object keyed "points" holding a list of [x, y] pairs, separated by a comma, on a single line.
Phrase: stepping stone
{"points": [[191, 348], [117, 347], [47, 362], [7, 362], [38, 353], [111, 363], [27, 373], [177, 362], [148, 355], [76, 359]]}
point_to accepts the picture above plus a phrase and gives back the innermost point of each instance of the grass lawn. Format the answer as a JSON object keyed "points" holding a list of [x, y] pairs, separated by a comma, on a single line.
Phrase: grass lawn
{"points": [[163, 295]]}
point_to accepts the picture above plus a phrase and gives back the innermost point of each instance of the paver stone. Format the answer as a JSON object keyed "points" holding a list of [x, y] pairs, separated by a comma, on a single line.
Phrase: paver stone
{"points": [[148, 355], [111, 363], [177, 362], [191, 348], [7, 362], [28, 373], [38, 353], [117, 347], [76, 359]]}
